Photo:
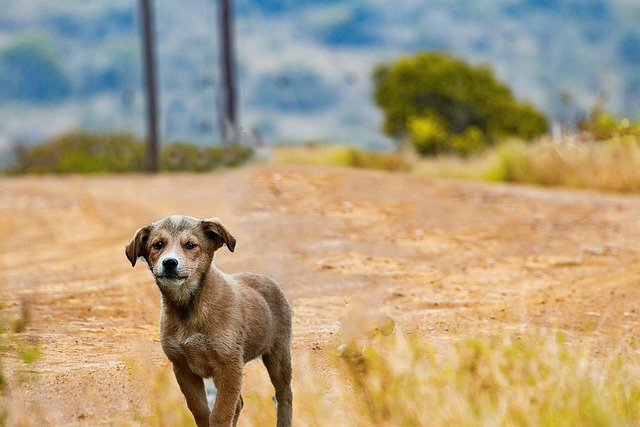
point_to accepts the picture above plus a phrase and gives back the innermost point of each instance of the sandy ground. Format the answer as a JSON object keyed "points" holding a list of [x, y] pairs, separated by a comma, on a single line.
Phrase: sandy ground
{"points": [[445, 260]]}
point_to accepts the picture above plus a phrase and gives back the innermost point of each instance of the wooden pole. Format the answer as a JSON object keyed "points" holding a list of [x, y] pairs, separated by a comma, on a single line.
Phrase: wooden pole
{"points": [[148, 48], [229, 108]]}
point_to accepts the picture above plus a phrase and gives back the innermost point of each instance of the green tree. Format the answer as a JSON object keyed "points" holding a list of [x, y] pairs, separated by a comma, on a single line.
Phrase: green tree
{"points": [[442, 104]]}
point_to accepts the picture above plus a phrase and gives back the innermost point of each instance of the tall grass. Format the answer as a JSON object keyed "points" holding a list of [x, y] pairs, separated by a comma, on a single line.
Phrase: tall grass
{"points": [[609, 165], [510, 378], [612, 165], [518, 379], [534, 379]]}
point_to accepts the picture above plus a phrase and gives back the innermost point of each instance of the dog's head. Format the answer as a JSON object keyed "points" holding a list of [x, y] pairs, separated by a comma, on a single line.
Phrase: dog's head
{"points": [[179, 249]]}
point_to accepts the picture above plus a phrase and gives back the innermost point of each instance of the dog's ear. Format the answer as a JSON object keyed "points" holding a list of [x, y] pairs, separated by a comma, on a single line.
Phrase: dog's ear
{"points": [[137, 247], [215, 230]]}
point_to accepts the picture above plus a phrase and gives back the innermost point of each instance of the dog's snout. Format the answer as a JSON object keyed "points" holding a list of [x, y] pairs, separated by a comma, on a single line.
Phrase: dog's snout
{"points": [[170, 263]]}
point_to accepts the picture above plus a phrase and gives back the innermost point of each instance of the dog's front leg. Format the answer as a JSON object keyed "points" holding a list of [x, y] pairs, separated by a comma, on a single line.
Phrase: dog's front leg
{"points": [[228, 382], [192, 386]]}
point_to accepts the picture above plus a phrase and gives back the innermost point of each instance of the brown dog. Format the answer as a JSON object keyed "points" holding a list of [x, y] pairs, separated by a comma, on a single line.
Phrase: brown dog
{"points": [[212, 323]]}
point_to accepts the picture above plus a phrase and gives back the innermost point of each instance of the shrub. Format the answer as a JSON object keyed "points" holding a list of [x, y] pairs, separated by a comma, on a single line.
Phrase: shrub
{"points": [[182, 156], [82, 152], [428, 135]]}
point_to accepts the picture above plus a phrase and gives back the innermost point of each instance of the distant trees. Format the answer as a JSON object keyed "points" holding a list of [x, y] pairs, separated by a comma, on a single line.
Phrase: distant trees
{"points": [[294, 90], [630, 49], [30, 71], [442, 104]]}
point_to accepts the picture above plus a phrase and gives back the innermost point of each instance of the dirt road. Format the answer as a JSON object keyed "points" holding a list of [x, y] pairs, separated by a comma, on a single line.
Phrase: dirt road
{"points": [[446, 260]]}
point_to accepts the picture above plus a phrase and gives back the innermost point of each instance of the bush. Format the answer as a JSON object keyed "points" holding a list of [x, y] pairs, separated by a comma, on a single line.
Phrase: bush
{"points": [[81, 152], [182, 156], [443, 104], [428, 135]]}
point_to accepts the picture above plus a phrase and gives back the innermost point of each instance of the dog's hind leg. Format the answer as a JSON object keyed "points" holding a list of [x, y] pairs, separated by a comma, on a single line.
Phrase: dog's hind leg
{"points": [[278, 364], [192, 386]]}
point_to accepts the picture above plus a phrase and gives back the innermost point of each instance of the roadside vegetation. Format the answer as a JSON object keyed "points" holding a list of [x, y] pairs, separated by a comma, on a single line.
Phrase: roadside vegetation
{"points": [[325, 154], [601, 158], [450, 119], [606, 159], [525, 378], [514, 378], [84, 152]]}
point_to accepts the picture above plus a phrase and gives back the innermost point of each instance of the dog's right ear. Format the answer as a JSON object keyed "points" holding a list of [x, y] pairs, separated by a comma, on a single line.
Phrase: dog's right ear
{"points": [[137, 247]]}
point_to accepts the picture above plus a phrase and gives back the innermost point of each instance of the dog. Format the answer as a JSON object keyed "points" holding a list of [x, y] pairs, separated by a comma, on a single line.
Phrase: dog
{"points": [[213, 323]]}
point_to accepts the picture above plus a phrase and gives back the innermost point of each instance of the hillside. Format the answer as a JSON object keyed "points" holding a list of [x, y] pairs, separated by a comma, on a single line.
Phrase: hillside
{"points": [[304, 66]]}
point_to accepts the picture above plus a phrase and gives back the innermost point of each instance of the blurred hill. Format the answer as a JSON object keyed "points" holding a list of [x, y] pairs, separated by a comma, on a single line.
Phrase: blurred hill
{"points": [[303, 65]]}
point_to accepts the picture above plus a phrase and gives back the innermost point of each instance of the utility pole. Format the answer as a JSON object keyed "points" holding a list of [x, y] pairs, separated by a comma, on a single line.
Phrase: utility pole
{"points": [[148, 49], [229, 108]]}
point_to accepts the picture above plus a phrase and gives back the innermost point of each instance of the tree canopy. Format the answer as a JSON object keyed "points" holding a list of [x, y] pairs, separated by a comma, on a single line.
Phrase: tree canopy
{"points": [[441, 104]]}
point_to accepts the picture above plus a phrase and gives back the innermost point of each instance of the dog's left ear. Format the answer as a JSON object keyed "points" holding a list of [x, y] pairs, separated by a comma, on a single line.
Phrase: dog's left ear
{"points": [[137, 247], [214, 229]]}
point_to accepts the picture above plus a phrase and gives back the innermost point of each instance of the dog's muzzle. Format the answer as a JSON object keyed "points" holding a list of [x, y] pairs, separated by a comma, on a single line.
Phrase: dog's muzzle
{"points": [[169, 273]]}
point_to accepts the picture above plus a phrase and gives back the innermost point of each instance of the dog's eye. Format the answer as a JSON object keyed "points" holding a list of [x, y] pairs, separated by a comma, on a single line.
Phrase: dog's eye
{"points": [[190, 245], [158, 245]]}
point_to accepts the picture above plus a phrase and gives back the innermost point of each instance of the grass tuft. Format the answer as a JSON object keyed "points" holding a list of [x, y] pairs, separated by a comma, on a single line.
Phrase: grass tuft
{"points": [[534, 379], [320, 154]]}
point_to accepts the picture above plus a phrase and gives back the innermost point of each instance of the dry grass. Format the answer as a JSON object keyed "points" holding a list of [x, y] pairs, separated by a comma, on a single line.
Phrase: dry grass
{"points": [[612, 164], [515, 379], [320, 154]]}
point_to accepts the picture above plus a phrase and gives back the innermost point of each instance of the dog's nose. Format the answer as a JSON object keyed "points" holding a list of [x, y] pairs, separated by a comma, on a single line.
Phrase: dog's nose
{"points": [[170, 263]]}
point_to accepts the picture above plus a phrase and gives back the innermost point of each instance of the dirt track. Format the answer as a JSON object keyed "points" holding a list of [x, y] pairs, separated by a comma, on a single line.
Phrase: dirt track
{"points": [[444, 259]]}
